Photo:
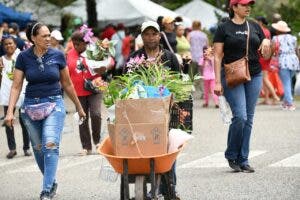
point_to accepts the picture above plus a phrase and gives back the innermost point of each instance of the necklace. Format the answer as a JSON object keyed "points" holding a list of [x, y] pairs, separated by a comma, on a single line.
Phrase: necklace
{"points": [[39, 54], [39, 59], [238, 21]]}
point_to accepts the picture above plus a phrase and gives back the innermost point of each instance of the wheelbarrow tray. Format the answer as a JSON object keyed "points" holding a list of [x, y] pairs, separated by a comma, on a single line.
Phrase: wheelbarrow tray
{"points": [[137, 165]]}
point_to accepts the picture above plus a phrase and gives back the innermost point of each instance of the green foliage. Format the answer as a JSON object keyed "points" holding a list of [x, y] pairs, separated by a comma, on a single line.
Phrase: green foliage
{"points": [[221, 4], [171, 4], [289, 10], [60, 3], [150, 75], [291, 14], [264, 8]]}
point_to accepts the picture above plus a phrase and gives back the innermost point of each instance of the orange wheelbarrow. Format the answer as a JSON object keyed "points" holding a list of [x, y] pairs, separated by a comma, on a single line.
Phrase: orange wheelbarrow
{"points": [[140, 170]]}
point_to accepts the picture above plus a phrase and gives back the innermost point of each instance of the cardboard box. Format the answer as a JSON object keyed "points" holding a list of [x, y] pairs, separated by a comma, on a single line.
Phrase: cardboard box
{"points": [[149, 110], [141, 127]]}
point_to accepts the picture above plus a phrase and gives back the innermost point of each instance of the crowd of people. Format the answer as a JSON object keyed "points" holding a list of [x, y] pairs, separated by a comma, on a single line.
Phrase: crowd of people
{"points": [[36, 68]]}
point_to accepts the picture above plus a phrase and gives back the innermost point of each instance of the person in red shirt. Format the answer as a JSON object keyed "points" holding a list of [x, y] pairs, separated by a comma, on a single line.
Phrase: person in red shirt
{"points": [[127, 44], [268, 88], [90, 102], [108, 32]]}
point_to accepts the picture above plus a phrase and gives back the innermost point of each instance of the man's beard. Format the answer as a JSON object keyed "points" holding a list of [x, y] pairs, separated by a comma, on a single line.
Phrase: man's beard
{"points": [[152, 46]]}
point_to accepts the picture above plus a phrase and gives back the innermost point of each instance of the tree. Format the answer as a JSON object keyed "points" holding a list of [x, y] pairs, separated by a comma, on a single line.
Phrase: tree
{"points": [[171, 4], [91, 13], [291, 14], [60, 3]]}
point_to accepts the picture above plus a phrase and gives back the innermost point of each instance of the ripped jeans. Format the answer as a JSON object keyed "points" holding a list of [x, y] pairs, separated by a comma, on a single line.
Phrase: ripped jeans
{"points": [[45, 136]]}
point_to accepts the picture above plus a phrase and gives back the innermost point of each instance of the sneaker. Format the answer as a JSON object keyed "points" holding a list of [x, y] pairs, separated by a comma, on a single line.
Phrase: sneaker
{"points": [[85, 152], [53, 190], [233, 165], [247, 169], [45, 195], [11, 154], [284, 106], [27, 153], [291, 107]]}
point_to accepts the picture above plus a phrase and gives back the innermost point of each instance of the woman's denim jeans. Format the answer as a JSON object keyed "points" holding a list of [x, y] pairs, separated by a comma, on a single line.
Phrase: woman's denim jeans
{"points": [[242, 100], [286, 78], [45, 136]]}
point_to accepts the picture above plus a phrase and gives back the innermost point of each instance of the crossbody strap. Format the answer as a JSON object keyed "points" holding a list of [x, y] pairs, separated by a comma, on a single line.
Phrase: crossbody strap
{"points": [[277, 44], [248, 36], [167, 42]]}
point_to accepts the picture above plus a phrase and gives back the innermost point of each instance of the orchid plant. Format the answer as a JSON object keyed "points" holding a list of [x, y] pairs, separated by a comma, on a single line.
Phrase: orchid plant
{"points": [[150, 72], [97, 49]]}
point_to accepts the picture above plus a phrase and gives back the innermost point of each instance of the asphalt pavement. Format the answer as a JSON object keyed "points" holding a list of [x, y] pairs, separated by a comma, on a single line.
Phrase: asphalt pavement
{"points": [[202, 171]]}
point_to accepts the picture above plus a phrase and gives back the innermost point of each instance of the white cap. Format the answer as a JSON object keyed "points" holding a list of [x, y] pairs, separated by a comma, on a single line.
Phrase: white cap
{"points": [[57, 35], [150, 24]]}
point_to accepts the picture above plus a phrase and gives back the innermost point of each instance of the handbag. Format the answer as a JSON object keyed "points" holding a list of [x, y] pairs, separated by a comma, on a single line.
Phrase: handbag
{"points": [[39, 111], [274, 62], [237, 72], [89, 86]]}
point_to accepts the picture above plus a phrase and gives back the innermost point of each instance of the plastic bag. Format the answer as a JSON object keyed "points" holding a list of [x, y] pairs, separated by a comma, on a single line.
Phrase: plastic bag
{"points": [[225, 111], [177, 137]]}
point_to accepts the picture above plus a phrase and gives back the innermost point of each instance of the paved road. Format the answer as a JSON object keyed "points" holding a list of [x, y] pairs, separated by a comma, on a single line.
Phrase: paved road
{"points": [[202, 170]]}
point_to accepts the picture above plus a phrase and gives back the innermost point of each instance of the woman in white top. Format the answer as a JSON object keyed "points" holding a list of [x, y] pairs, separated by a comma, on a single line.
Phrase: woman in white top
{"points": [[7, 64], [287, 59]]}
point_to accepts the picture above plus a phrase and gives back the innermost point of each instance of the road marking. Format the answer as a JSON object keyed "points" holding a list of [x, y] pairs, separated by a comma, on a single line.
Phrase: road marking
{"points": [[292, 161], [64, 163], [216, 160]]}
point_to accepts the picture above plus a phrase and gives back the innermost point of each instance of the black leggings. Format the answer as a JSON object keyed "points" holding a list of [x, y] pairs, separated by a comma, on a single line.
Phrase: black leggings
{"points": [[10, 134]]}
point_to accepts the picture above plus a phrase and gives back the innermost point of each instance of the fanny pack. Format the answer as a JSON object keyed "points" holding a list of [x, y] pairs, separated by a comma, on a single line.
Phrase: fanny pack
{"points": [[39, 111]]}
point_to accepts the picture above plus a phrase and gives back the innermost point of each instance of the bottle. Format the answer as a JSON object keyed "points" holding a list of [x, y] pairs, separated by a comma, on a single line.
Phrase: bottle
{"points": [[225, 110]]}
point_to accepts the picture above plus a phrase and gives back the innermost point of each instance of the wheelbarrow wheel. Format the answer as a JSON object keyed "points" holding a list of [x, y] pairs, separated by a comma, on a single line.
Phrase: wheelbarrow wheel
{"points": [[140, 188]]}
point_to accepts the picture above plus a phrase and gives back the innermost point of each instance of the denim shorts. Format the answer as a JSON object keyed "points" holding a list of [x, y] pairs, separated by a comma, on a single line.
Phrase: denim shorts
{"points": [[48, 129]]}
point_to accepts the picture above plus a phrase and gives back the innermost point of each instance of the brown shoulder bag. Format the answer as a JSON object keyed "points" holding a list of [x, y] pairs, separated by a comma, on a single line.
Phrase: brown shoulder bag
{"points": [[237, 72]]}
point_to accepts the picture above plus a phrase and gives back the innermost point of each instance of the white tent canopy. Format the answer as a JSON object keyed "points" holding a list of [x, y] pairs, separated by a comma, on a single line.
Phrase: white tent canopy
{"points": [[129, 12], [200, 10]]}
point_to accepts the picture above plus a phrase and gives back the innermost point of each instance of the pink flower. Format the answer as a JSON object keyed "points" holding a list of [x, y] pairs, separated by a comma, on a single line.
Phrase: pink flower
{"points": [[88, 34], [161, 90]]}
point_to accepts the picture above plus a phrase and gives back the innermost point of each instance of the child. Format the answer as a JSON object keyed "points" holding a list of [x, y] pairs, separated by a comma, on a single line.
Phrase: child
{"points": [[207, 63]]}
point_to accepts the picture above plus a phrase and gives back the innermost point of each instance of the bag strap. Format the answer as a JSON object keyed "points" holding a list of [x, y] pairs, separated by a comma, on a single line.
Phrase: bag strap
{"points": [[277, 44], [167, 42], [248, 36]]}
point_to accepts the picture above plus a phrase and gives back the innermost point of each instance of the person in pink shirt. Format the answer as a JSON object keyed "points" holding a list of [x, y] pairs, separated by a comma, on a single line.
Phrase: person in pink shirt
{"points": [[207, 63]]}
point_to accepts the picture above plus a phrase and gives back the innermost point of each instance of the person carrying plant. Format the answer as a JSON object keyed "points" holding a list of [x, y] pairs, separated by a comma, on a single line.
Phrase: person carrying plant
{"points": [[152, 50]]}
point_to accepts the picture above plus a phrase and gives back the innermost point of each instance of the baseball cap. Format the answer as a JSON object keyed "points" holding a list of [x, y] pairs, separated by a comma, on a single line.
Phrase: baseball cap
{"points": [[244, 2], [148, 24], [167, 20], [57, 35]]}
